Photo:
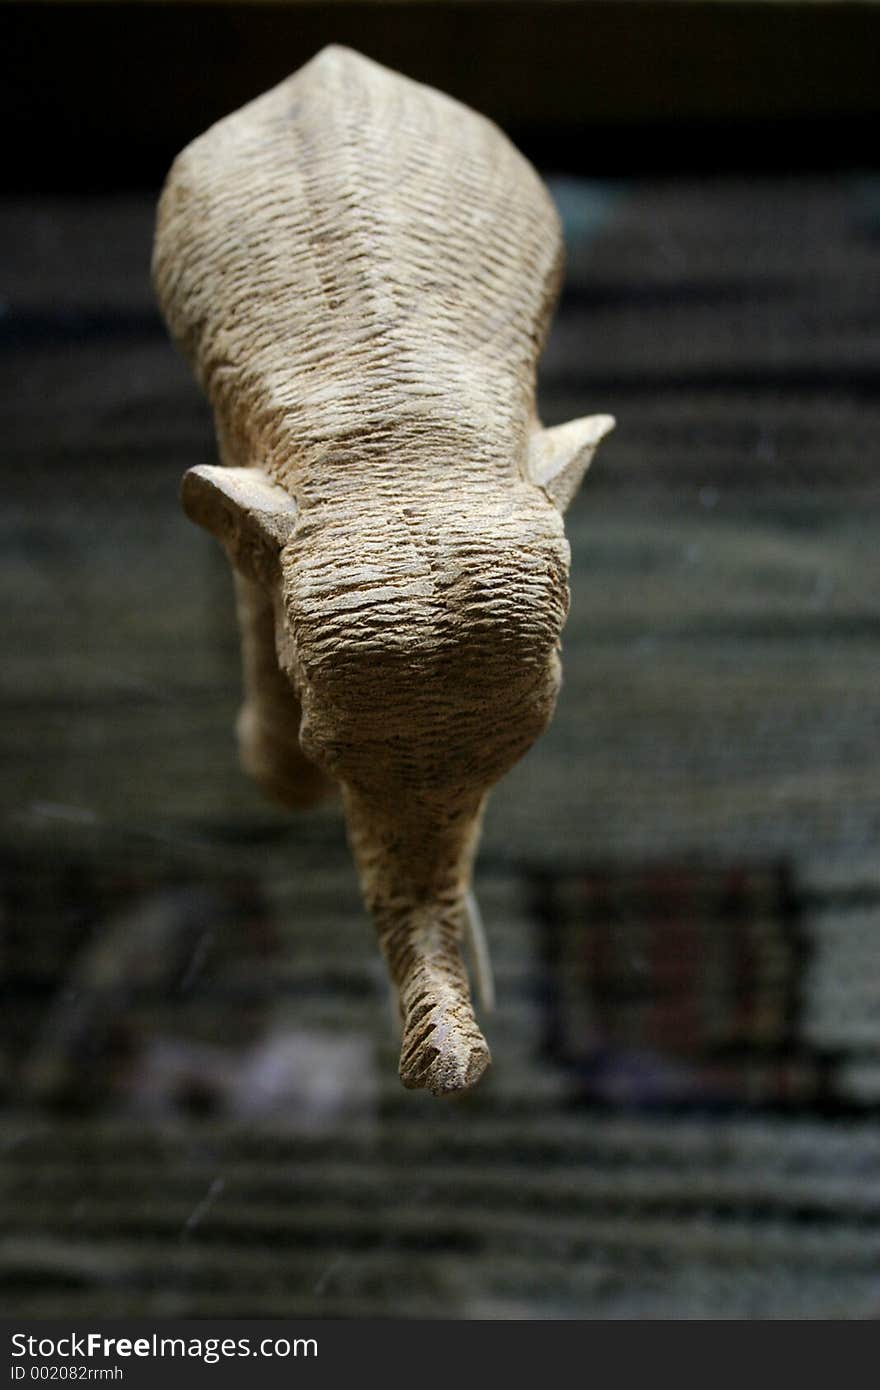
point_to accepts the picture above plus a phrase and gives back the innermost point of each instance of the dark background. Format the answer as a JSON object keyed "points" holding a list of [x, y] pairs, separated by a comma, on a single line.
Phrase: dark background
{"points": [[104, 95], [201, 1114]]}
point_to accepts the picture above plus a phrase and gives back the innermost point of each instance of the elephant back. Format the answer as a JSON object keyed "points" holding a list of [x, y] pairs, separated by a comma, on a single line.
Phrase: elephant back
{"points": [[357, 256]]}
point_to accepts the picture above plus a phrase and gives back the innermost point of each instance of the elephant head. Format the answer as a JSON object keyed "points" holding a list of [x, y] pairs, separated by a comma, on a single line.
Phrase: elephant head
{"points": [[362, 272]]}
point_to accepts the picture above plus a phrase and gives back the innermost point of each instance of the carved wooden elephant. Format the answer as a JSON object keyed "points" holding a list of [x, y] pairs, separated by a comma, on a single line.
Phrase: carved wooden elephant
{"points": [[362, 273]]}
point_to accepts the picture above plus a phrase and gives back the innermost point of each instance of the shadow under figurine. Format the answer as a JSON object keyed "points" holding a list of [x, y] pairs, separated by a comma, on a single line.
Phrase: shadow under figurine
{"points": [[362, 272]]}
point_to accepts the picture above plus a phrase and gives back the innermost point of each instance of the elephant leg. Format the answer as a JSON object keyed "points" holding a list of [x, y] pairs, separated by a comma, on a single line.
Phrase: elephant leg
{"points": [[268, 724]]}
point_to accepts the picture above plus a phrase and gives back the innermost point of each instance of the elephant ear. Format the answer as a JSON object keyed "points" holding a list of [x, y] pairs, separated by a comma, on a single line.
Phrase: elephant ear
{"points": [[559, 457], [252, 517]]}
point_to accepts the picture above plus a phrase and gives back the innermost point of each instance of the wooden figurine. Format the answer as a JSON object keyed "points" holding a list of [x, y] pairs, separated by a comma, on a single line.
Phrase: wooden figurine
{"points": [[362, 272]]}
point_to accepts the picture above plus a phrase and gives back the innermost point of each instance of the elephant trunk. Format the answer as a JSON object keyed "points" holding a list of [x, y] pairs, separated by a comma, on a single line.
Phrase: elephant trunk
{"points": [[442, 1048], [415, 873]]}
